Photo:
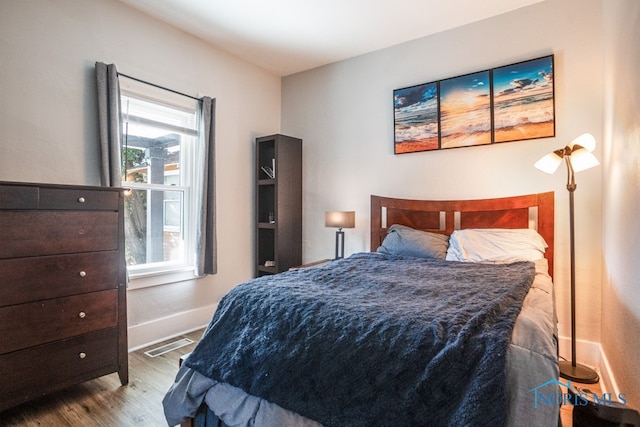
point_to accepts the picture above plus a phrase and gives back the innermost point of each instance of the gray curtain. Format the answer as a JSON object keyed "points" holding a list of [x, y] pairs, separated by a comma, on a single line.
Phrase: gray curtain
{"points": [[110, 123], [206, 258]]}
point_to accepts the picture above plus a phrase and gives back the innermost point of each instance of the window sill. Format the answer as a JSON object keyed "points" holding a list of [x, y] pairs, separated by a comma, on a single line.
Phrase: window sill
{"points": [[157, 278]]}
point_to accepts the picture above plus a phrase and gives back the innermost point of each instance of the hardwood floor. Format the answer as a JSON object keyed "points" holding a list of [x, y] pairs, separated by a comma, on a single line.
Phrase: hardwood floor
{"points": [[103, 401]]}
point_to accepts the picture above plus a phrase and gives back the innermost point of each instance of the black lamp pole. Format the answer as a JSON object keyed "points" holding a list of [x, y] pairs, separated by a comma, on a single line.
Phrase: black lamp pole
{"points": [[574, 371], [339, 243]]}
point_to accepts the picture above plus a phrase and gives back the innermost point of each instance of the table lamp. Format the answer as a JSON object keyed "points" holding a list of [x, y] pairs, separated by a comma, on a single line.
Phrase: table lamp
{"points": [[340, 220]]}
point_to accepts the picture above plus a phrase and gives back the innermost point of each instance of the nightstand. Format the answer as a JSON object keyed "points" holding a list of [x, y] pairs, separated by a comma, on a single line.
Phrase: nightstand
{"points": [[313, 264]]}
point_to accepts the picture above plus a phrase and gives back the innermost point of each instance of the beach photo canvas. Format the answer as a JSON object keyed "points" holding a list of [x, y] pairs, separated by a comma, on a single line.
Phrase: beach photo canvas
{"points": [[465, 110], [510, 103], [416, 118], [523, 100]]}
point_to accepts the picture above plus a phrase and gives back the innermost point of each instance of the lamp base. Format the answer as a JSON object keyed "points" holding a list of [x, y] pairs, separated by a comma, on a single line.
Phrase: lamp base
{"points": [[339, 244], [579, 373]]}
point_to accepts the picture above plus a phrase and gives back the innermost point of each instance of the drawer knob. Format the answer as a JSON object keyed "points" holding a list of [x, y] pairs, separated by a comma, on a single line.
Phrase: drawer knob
{"points": [[82, 355], [83, 273], [82, 315], [81, 200]]}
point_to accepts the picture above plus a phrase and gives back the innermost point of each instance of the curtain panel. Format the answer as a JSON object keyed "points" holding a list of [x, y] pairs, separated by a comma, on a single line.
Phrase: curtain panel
{"points": [[109, 124], [206, 259]]}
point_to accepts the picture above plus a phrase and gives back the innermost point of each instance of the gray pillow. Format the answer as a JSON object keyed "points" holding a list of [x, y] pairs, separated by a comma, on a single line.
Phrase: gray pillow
{"points": [[403, 240]]}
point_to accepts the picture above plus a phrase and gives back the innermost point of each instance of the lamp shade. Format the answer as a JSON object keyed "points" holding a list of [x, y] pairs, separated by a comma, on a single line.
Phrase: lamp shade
{"points": [[549, 163], [585, 140], [340, 219], [577, 152], [582, 159]]}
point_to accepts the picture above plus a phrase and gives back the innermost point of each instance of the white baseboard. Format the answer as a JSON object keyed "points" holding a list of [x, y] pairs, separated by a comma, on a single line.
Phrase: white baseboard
{"points": [[591, 354], [149, 333]]}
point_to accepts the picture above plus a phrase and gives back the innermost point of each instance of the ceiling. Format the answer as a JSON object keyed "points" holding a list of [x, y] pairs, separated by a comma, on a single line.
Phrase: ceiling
{"points": [[288, 36]]}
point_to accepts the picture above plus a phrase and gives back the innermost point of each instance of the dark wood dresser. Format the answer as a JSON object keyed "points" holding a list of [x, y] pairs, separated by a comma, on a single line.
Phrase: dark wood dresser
{"points": [[62, 288]]}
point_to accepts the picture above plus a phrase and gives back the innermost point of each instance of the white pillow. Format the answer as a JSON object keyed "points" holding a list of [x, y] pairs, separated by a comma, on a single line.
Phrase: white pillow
{"points": [[496, 245]]}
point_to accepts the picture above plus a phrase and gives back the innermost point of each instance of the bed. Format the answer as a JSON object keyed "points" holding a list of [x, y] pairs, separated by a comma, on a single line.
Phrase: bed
{"points": [[391, 336]]}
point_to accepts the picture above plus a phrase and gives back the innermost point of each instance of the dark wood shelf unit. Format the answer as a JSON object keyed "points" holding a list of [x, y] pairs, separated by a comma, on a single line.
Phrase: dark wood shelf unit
{"points": [[278, 221]]}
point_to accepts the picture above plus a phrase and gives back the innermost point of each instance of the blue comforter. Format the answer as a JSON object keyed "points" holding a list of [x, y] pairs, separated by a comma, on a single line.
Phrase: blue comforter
{"points": [[372, 340]]}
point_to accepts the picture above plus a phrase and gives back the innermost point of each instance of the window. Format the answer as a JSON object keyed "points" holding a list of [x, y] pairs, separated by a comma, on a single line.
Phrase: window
{"points": [[158, 151]]}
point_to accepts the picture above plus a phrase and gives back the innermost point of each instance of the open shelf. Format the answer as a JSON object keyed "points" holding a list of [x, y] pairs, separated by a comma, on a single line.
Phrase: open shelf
{"points": [[278, 222]]}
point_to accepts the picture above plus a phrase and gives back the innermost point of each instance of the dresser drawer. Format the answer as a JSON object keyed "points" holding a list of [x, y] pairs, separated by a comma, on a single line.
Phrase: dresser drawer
{"points": [[33, 372], [17, 196], [78, 199], [38, 278], [34, 233], [26, 325]]}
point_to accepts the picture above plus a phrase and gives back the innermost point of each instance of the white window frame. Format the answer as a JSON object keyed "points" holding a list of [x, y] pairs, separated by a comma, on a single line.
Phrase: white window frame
{"points": [[158, 273]]}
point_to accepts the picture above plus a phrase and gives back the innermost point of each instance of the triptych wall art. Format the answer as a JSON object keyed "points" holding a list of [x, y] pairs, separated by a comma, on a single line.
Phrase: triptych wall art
{"points": [[510, 103]]}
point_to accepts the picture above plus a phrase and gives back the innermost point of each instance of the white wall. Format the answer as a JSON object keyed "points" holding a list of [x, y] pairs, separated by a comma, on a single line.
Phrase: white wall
{"points": [[621, 196], [344, 113], [49, 133]]}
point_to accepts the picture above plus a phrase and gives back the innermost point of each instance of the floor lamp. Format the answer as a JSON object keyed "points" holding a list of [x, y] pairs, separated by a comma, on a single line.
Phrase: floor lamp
{"points": [[340, 220], [577, 156]]}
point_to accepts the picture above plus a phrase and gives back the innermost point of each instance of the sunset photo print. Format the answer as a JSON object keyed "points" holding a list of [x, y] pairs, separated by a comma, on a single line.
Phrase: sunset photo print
{"points": [[416, 118], [523, 100], [465, 110]]}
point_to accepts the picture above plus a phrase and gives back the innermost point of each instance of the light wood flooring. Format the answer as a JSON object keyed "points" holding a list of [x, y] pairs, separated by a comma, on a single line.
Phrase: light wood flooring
{"points": [[103, 402]]}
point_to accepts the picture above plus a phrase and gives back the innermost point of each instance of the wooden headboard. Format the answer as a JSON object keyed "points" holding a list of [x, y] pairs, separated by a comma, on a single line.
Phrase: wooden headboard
{"points": [[443, 216]]}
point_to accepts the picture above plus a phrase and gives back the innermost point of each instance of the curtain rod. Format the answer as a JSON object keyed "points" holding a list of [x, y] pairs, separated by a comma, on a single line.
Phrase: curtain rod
{"points": [[158, 86]]}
